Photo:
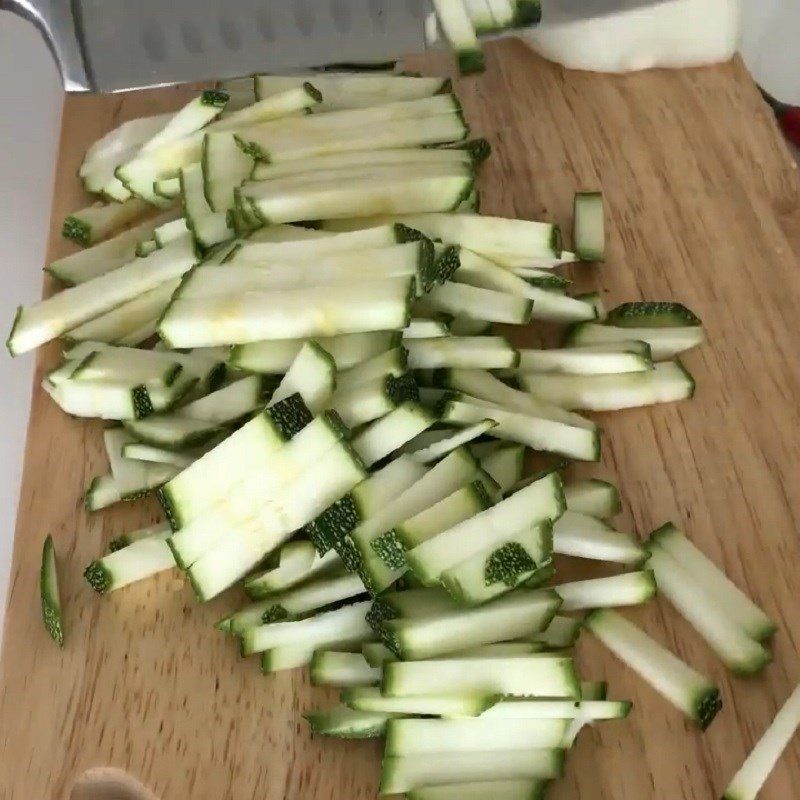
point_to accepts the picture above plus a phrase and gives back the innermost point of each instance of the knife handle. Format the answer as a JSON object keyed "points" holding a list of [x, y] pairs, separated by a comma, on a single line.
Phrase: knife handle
{"points": [[55, 22]]}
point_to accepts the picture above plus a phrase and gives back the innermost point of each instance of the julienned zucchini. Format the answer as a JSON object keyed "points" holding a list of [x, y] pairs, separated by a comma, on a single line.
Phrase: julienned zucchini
{"points": [[276, 355], [50, 596], [756, 769], [594, 498], [583, 536], [438, 634], [534, 432], [666, 383], [726, 594], [61, 312], [522, 789], [384, 436], [665, 342], [540, 501], [405, 773], [314, 311], [653, 315], [677, 682], [700, 608], [344, 723], [139, 560], [589, 235], [627, 589]]}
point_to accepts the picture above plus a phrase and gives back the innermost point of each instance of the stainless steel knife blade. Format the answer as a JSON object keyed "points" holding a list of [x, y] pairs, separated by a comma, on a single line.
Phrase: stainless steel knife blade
{"points": [[150, 42], [115, 45]]}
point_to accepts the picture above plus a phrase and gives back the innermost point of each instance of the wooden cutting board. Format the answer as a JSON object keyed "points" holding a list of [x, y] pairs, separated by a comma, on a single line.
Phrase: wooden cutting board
{"points": [[702, 200]]}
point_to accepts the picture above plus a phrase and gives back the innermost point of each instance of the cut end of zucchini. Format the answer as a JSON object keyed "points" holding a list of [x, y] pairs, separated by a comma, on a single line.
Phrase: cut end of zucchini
{"points": [[471, 62], [653, 315], [120, 543], [51, 600], [527, 13], [77, 230], [507, 563], [214, 98], [312, 91], [707, 706], [479, 150], [98, 577], [10, 346], [443, 267]]}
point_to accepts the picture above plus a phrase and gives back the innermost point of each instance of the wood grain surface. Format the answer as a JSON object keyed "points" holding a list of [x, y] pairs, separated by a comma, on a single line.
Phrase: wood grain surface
{"points": [[702, 203]]}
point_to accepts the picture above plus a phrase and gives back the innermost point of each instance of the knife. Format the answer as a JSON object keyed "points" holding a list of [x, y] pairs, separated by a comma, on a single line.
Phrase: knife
{"points": [[116, 45]]}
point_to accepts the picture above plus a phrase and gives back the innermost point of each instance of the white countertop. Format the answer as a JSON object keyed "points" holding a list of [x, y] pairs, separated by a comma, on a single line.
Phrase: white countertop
{"points": [[30, 97]]}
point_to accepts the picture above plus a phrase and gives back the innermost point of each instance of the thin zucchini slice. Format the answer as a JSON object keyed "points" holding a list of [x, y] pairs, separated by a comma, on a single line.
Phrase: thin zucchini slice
{"points": [[540, 501], [594, 498], [505, 465], [346, 197], [477, 271], [60, 313], [312, 375], [298, 601], [676, 681], [370, 538], [561, 632], [389, 362], [310, 312], [125, 539], [385, 436], [279, 450], [348, 350], [207, 227], [297, 562], [97, 222], [439, 449], [424, 736], [131, 320], [653, 315], [497, 790], [375, 399], [343, 670], [496, 235], [403, 133], [135, 451], [446, 705], [344, 723], [248, 451], [484, 304], [591, 710], [252, 537], [665, 343], [628, 589], [538, 433], [468, 352], [699, 607], [589, 235], [439, 634], [591, 360], [748, 781], [329, 628], [361, 159], [106, 256], [727, 595], [139, 560], [501, 566], [50, 596], [517, 676], [486, 387], [406, 773], [582, 536], [426, 329], [667, 382], [304, 250], [364, 501], [348, 91]]}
